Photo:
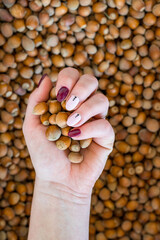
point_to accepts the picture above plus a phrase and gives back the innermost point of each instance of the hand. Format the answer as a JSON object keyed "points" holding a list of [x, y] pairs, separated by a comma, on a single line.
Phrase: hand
{"points": [[52, 165]]}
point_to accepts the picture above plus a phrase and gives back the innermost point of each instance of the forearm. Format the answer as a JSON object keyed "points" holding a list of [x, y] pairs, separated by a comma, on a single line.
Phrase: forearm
{"points": [[58, 214]]}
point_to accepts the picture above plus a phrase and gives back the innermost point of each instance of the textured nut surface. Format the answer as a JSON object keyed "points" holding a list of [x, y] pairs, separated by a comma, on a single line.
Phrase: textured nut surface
{"points": [[75, 157], [63, 143], [40, 108], [53, 133]]}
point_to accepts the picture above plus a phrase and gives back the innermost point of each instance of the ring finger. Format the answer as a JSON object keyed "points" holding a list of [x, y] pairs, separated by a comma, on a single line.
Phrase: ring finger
{"points": [[96, 106]]}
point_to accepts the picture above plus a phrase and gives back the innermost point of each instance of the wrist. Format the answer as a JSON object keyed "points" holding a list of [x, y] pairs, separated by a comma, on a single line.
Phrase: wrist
{"points": [[61, 192], [56, 211]]}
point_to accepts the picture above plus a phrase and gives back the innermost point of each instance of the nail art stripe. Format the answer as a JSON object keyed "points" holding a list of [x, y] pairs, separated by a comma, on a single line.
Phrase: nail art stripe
{"points": [[74, 98], [73, 119], [77, 115], [72, 102]]}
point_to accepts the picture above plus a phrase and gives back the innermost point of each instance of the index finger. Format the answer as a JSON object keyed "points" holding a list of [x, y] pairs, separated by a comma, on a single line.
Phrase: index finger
{"points": [[67, 78]]}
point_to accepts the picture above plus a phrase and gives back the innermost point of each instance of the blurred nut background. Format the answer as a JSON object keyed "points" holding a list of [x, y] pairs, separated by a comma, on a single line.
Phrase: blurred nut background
{"points": [[118, 41]]}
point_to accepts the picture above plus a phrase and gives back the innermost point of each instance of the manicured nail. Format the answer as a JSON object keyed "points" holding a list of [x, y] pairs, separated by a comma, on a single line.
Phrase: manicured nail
{"points": [[42, 78], [74, 133], [73, 119], [72, 102], [62, 94]]}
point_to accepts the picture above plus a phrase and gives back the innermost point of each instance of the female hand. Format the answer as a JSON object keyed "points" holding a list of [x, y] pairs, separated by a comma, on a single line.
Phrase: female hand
{"points": [[52, 165]]}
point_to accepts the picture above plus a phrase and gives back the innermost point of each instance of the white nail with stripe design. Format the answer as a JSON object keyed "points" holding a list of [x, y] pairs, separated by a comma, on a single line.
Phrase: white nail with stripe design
{"points": [[73, 119], [72, 102]]}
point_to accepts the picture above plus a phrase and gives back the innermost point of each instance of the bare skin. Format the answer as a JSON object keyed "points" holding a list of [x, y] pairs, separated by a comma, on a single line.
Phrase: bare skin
{"points": [[62, 194]]}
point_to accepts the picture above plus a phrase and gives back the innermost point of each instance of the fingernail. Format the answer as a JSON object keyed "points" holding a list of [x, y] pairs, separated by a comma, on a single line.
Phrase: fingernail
{"points": [[72, 102], [72, 120], [42, 78], [62, 93], [74, 132]]}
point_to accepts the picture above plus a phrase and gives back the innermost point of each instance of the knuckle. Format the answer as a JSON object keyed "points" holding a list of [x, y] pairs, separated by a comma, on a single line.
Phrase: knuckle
{"points": [[91, 78], [112, 134], [62, 72], [67, 72], [73, 70], [86, 109], [79, 89], [109, 129], [105, 123], [24, 127], [102, 98]]}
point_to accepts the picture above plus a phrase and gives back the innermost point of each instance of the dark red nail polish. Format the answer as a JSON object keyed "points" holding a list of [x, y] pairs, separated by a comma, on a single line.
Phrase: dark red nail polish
{"points": [[42, 78], [62, 94], [74, 133]]}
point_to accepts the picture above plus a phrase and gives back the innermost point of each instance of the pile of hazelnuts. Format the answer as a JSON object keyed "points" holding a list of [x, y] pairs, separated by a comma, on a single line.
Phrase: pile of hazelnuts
{"points": [[54, 115]]}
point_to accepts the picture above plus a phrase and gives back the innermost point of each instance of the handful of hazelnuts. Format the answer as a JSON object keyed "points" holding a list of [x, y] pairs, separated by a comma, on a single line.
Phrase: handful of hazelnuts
{"points": [[54, 115]]}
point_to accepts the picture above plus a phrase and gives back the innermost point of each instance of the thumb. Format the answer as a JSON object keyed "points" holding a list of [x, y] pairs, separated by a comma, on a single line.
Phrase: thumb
{"points": [[40, 94]]}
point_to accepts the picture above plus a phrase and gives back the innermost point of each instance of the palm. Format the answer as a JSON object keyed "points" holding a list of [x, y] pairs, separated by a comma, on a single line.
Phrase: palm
{"points": [[52, 164]]}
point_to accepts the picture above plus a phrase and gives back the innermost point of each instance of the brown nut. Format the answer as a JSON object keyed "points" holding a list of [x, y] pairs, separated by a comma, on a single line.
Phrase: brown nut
{"points": [[63, 104], [54, 106], [45, 118], [61, 119], [75, 146], [63, 143], [17, 11], [53, 133], [14, 198], [40, 108], [75, 157], [52, 119], [85, 143], [53, 93], [65, 131]]}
